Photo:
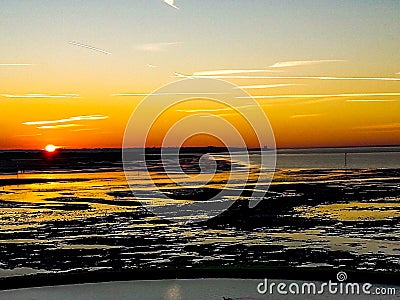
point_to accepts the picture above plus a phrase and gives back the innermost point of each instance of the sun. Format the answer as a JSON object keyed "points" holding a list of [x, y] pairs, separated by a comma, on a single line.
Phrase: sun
{"points": [[50, 148]]}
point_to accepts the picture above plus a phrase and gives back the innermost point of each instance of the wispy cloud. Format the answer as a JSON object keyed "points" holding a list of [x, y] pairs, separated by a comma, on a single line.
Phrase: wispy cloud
{"points": [[164, 94], [277, 65], [16, 65], [298, 63], [370, 100], [71, 119], [58, 126], [379, 127], [319, 96], [203, 110], [215, 110], [216, 115], [318, 100], [131, 95], [304, 116], [224, 72], [89, 47], [85, 129], [180, 75], [41, 96], [156, 47], [265, 86]]}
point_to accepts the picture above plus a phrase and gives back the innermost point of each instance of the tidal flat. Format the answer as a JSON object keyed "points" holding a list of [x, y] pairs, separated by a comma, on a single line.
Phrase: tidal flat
{"points": [[68, 221]]}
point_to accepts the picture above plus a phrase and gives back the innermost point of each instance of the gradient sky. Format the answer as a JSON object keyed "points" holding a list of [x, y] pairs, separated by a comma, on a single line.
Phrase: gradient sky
{"points": [[149, 41]]}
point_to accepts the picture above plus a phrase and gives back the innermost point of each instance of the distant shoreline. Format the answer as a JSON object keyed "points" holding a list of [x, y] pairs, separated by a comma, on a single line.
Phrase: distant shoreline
{"points": [[101, 160], [208, 148]]}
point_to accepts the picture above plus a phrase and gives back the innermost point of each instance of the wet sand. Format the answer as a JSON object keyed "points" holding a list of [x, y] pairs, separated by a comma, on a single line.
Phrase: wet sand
{"points": [[314, 219]]}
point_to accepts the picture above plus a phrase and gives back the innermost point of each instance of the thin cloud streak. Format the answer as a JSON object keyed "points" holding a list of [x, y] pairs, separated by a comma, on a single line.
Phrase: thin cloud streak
{"points": [[156, 47], [170, 3], [370, 100], [298, 63], [179, 75], [319, 96], [86, 129], [216, 115], [58, 126], [214, 110], [131, 95], [16, 65], [165, 94], [224, 72], [266, 86], [277, 102], [282, 101], [378, 127], [277, 65], [71, 119], [304, 116], [89, 47], [203, 110], [40, 96]]}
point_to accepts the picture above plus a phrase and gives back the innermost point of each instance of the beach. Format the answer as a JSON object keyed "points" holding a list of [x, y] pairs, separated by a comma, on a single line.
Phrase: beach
{"points": [[73, 219]]}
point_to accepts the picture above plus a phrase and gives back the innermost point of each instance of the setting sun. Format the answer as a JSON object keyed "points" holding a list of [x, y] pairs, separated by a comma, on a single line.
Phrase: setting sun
{"points": [[50, 148]]}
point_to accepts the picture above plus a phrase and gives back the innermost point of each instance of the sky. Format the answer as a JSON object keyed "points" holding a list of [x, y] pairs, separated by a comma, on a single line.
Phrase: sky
{"points": [[73, 72]]}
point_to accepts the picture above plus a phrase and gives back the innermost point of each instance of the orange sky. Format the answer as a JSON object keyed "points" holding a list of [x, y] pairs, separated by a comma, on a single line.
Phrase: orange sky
{"points": [[348, 54]]}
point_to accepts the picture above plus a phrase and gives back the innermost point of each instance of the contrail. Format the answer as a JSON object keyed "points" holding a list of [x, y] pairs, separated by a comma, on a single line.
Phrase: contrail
{"points": [[319, 96], [300, 63], [180, 75], [15, 65], [170, 3], [368, 100], [265, 86], [89, 47], [227, 72], [165, 94], [71, 119], [41, 96]]}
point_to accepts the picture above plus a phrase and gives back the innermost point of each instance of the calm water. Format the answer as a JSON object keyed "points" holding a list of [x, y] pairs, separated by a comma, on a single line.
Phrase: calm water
{"points": [[319, 211], [338, 158]]}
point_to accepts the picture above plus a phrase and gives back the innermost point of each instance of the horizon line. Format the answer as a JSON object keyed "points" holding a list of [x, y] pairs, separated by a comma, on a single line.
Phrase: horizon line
{"points": [[211, 146]]}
